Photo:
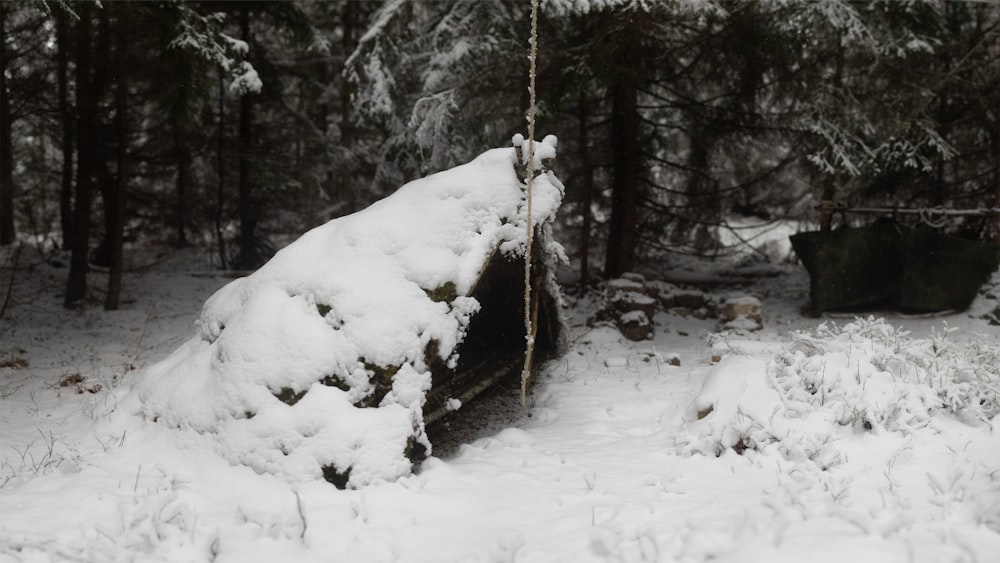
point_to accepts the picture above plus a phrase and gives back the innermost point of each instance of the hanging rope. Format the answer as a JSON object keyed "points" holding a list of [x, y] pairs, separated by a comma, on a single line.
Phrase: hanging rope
{"points": [[530, 313]]}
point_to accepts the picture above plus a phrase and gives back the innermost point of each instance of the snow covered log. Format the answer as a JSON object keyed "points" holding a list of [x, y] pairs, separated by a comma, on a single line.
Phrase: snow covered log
{"points": [[324, 362]]}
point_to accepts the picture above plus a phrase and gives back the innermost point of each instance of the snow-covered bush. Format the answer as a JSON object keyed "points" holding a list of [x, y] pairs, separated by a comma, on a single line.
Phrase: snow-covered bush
{"points": [[866, 376], [872, 368], [317, 365]]}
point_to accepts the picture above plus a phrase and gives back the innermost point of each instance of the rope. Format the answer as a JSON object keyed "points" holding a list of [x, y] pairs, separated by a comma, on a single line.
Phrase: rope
{"points": [[927, 217], [529, 319]]}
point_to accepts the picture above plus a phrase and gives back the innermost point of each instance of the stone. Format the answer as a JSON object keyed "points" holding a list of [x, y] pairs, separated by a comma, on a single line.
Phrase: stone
{"points": [[741, 313], [635, 325], [690, 300], [631, 306], [634, 277], [628, 301]]}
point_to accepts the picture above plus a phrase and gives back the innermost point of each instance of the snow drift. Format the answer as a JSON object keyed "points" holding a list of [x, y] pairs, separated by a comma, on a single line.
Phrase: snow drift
{"points": [[318, 365]]}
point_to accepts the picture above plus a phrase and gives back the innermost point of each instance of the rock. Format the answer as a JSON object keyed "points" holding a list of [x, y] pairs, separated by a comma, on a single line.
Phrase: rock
{"points": [[635, 325], [628, 301], [690, 300], [622, 284], [631, 306], [634, 277], [741, 313]]}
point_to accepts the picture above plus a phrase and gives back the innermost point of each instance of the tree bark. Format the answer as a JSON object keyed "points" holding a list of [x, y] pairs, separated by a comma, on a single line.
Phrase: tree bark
{"points": [[220, 193], [620, 255], [182, 154], [117, 234], [104, 133], [76, 285], [586, 193], [349, 42], [107, 184], [248, 212], [7, 230], [704, 202], [66, 117]]}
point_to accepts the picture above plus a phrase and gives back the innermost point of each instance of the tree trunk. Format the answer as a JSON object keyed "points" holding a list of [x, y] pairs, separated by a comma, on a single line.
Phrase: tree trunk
{"points": [[182, 154], [248, 212], [7, 230], [704, 202], [349, 42], [76, 285], [247, 209], [104, 134], [107, 184], [220, 193], [620, 255], [586, 195], [117, 234], [66, 117]]}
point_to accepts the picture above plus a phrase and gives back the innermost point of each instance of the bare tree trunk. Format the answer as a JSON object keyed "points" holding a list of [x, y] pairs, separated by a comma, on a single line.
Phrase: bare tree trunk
{"points": [[106, 188], [620, 255], [117, 235], [104, 134], [704, 202], [7, 231], [586, 195], [996, 175], [830, 195], [182, 154], [349, 41], [247, 210], [220, 193], [76, 285], [66, 117]]}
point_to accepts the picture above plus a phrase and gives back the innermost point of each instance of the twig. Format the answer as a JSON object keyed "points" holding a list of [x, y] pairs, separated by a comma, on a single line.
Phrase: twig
{"points": [[302, 516]]}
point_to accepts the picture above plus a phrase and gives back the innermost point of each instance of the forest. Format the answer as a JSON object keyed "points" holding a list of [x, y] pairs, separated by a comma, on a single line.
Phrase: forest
{"points": [[276, 286], [236, 125]]}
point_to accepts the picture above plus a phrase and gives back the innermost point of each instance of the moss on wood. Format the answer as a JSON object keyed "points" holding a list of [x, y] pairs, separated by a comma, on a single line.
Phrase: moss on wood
{"points": [[415, 451], [336, 477], [444, 293], [334, 381], [289, 396], [381, 379]]}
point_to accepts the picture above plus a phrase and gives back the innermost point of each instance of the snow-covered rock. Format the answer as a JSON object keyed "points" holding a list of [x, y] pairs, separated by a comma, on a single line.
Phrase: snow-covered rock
{"points": [[741, 313]]}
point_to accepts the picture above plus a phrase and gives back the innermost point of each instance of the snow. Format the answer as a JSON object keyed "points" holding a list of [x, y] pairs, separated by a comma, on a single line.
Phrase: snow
{"points": [[283, 356], [863, 439]]}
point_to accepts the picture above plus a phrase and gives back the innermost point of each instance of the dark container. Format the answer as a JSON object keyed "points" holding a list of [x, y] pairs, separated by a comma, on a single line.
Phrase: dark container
{"points": [[915, 270], [943, 272], [851, 267]]}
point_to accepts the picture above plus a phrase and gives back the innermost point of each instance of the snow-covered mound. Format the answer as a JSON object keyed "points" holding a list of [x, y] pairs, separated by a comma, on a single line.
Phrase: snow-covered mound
{"points": [[318, 364]]}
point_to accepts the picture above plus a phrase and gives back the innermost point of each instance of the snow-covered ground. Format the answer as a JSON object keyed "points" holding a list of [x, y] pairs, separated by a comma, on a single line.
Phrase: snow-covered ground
{"points": [[856, 442]]}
